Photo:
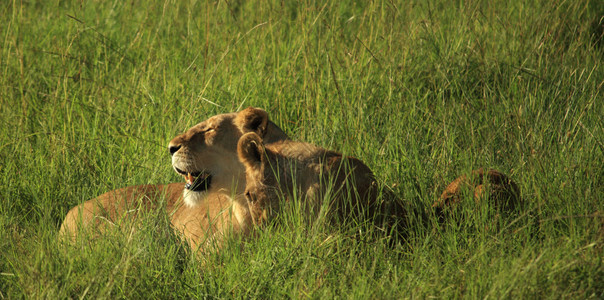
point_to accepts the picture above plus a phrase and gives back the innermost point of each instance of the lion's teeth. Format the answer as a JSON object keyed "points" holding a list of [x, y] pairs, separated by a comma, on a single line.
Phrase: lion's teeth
{"points": [[189, 178]]}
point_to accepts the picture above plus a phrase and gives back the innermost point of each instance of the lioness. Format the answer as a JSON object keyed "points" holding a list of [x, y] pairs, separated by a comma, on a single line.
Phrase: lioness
{"points": [[282, 169], [206, 157]]}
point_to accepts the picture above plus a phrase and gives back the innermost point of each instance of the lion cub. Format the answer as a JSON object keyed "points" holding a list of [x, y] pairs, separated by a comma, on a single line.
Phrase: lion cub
{"points": [[287, 168]]}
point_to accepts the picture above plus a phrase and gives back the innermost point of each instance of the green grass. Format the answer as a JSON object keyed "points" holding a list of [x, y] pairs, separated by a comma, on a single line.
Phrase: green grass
{"points": [[422, 91]]}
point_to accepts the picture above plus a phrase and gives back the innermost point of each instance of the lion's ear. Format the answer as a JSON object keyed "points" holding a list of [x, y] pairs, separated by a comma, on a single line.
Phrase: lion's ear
{"points": [[250, 150], [252, 120]]}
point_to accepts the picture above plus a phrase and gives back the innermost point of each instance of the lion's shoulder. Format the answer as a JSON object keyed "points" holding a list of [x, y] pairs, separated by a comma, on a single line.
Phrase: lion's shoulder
{"points": [[291, 152]]}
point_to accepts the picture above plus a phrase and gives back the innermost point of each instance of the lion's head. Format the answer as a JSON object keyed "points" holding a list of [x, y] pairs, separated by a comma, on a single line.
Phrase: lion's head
{"points": [[307, 173], [206, 154], [262, 190]]}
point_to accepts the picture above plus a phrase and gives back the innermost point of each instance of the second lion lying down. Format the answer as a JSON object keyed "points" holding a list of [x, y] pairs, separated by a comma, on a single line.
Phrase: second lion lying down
{"points": [[295, 170]]}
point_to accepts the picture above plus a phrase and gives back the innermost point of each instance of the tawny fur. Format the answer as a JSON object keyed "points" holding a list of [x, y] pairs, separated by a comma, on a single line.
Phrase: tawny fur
{"points": [[204, 226], [286, 168], [116, 208]]}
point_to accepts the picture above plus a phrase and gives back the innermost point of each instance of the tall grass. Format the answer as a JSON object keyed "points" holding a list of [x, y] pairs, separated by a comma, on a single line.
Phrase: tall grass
{"points": [[422, 91]]}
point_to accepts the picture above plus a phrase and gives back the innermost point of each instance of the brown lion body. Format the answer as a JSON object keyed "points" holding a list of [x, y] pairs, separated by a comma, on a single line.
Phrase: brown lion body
{"points": [[206, 153], [287, 168], [118, 207]]}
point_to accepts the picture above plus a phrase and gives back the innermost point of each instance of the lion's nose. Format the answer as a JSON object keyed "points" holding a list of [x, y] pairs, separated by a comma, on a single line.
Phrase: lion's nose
{"points": [[173, 149]]}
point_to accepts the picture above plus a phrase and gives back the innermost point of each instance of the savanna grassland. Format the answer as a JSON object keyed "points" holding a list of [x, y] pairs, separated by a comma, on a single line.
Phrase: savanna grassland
{"points": [[422, 91]]}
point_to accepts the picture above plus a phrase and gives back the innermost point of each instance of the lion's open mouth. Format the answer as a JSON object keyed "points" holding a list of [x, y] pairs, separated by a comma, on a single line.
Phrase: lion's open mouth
{"points": [[196, 181]]}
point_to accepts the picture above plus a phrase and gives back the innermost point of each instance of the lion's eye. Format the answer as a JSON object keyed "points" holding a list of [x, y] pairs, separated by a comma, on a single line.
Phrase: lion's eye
{"points": [[249, 196]]}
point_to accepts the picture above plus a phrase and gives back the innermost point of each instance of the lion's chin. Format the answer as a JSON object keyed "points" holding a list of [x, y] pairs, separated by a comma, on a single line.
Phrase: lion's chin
{"points": [[192, 198]]}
